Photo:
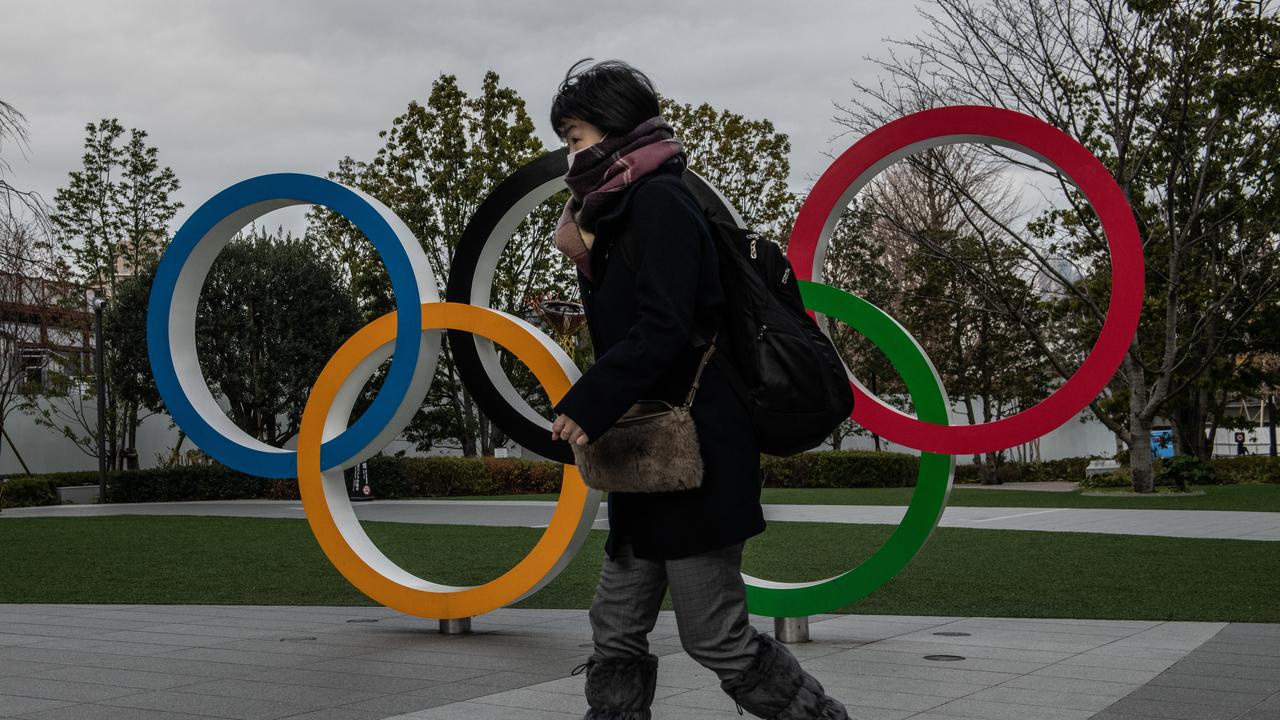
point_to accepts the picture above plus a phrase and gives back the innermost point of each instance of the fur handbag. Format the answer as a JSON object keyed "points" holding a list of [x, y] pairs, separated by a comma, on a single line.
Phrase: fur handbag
{"points": [[653, 447]]}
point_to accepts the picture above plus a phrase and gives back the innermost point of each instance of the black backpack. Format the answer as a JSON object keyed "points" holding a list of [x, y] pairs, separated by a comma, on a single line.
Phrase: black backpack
{"points": [[779, 362]]}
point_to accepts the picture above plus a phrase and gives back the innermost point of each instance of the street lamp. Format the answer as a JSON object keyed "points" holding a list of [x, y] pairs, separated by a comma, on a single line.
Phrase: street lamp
{"points": [[99, 305]]}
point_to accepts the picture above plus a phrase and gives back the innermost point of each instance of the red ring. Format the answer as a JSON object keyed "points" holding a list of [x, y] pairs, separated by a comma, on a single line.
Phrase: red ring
{"points": [[968, 123]]}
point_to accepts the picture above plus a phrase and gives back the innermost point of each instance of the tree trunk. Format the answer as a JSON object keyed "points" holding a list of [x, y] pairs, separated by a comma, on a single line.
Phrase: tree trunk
{"points": [[176, 455], [968, 409], [1140, 453]]}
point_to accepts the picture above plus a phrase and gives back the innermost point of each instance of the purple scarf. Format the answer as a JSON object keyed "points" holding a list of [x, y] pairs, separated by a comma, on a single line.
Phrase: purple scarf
{"points": [[605, 169]]}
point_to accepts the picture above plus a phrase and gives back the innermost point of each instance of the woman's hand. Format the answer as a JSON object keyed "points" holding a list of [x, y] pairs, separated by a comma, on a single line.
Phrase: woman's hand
{"points": [[565, 427]]}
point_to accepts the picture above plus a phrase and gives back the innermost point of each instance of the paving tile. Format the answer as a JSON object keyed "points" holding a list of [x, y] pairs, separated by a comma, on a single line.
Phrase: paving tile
{"points": [[48, 630], [242, 657], [1104, 688], [108, 712], [1173, 710], [9, 639], [193, 704], [471, 710], [934, 671], [452, 692], [555, 702], [955, 646], [1234, 659], [305, 677], [1266, 710], [415, 671], [864, 655], [865, 712], [307, 696], [109, 647], [9, 666], [851, 685], [141, 679], [1122, 675], [1042, 698], [987, 710], [1194, 665], [1264, 686], [1268, 647], [13, 705], [1198, 696], [1210, 682], [506, 680], [253, 662], [297, 645], [342, 713], [1093, 662], [397, 704], [61, 689]]}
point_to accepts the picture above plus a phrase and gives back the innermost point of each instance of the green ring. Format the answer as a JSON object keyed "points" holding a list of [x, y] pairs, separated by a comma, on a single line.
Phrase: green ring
{"points": [[933, 484]]}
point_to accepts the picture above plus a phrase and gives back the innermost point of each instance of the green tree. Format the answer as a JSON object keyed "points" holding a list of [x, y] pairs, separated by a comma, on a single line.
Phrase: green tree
{"points": [[441, 158], [745, 159], [438, 161], [110, 220], [271, 314]]}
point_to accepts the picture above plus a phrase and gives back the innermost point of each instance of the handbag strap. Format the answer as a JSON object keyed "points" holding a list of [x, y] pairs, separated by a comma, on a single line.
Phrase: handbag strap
{"points": [[706, 356]]}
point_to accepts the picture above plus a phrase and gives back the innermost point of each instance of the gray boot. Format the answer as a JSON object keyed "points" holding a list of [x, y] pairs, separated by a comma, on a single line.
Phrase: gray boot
{"points": [[620, 689], [775, 687]]}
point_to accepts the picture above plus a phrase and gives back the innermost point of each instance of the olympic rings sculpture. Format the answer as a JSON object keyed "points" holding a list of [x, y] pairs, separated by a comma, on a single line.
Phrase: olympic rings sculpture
{"points": [[411, 335]]}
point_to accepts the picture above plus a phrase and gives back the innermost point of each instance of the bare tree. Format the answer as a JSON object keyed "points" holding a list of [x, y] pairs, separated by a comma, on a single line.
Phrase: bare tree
{"points": [[33, 328], [17, 206], [1173, 99]]}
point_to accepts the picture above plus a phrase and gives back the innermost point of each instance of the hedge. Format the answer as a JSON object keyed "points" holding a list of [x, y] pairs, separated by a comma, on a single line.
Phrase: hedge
{"points": [[840, 468], [408, 477]]}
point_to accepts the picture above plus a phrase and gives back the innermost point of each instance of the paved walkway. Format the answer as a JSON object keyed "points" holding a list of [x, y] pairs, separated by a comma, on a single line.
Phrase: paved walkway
{"points": [[1169, 523], [183, 662]]}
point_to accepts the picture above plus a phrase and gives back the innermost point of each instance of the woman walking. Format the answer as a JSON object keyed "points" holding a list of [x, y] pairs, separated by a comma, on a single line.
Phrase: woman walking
{"points": [[643, 306]]}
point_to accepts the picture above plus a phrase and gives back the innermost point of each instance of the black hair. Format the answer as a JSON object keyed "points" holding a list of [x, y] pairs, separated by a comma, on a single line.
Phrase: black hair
{"points": [[612, 95]]}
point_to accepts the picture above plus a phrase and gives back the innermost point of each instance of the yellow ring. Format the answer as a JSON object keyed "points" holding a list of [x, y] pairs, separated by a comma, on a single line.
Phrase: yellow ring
{"points": [[329, 512]]}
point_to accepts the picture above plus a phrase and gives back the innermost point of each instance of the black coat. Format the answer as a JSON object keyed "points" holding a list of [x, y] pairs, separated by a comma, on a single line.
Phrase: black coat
{"points": [[640, 325]]}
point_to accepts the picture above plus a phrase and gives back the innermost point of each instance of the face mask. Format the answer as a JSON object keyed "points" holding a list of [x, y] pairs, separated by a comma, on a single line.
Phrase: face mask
{"points": [[571, 155]]}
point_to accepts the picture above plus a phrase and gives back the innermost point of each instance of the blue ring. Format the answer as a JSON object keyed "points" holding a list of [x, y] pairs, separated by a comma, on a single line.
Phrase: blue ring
{"points": [[305, 189]]}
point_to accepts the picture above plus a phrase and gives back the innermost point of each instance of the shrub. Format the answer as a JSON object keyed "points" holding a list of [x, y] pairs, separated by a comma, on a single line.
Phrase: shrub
{"points": [[1115, 479], [840, 468], [185, 482], [512, 476], [397, 477], [1062, 470], [1184, 470], [1247, 469], [401, 477], [28, 491]]}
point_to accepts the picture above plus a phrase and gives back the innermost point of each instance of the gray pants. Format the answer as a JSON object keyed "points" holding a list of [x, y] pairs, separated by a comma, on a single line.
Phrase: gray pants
{"points": [[708, 596]]}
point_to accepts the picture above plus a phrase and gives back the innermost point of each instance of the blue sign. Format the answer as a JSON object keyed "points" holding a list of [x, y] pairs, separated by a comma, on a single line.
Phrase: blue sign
{"points": [[1162, 443]]}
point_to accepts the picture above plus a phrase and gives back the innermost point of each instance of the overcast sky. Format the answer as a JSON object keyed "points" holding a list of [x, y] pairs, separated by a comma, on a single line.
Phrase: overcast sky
{"points": [[230, 90]]}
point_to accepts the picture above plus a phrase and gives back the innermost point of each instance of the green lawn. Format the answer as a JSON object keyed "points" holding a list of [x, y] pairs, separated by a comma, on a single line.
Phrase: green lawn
{"points": [[1216, 497], [961, 571]]}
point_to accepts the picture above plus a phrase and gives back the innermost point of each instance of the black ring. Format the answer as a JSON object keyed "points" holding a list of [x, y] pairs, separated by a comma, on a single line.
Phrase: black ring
{"points": [[475, 244]]}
